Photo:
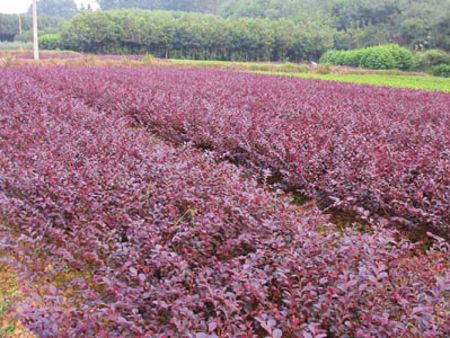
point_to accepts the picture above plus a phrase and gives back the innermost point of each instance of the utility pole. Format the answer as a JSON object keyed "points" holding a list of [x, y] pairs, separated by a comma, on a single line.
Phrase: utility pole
{"points": [[20, 24], [35, 32]]}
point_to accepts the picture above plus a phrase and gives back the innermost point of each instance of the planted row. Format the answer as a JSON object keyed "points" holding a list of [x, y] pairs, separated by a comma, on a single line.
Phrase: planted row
{"points": [[383, 153], [144, 240]]}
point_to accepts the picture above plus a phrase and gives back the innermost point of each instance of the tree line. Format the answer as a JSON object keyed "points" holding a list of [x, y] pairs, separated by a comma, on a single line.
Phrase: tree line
{"points": [[417, 24], [196, 36], [10, 23], [247, 30]]}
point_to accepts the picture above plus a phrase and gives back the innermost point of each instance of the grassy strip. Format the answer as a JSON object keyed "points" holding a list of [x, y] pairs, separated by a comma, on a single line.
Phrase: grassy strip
{"points": [[245, 66], [431, 83], [390, 78]]}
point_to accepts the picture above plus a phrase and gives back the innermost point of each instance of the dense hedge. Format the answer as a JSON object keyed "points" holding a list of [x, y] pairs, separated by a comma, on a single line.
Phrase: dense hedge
{"points": [[50, 41], [441, 70], [433, 57], [378, 57], [195, 36]]}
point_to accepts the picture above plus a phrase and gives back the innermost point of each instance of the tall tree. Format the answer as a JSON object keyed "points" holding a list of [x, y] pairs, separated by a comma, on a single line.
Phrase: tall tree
{"points": [[212, 6], [61, 8]]}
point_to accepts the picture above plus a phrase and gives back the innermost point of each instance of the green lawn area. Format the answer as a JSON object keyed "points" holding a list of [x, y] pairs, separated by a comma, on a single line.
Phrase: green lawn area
{"points": [[244, 66], [377, 78], [401, 81]]}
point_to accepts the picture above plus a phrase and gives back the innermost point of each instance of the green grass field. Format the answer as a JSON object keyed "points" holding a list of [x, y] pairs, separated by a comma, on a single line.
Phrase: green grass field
{"points": [[246, 66], [377, 78], [401, 81]]}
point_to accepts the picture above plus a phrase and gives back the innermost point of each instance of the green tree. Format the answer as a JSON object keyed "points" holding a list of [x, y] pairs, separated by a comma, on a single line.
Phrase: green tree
{"points": [[212, 6], [9, 27], [59, 8], [195, 36]]}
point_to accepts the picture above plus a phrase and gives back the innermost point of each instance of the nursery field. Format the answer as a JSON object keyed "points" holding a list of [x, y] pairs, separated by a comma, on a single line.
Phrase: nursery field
{"points": [[174, 202]]}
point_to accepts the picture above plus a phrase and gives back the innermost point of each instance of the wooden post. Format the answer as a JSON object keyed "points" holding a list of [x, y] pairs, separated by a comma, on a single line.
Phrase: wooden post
{"points": [[35, 32]]}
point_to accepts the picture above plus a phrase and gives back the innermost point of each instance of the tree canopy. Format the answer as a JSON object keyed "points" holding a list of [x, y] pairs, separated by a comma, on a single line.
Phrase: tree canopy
{"points": [[60, 8], [348, 24], [418, 24], [196, 36]]}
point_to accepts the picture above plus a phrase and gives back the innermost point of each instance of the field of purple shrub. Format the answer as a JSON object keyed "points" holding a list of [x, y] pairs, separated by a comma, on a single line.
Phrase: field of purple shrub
{"points": [[381, 153], [126, 193]]}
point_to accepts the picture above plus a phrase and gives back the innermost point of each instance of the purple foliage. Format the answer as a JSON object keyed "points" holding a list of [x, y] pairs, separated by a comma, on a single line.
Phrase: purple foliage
{"points": [[46, 55], [383, 153], [168, 242]]}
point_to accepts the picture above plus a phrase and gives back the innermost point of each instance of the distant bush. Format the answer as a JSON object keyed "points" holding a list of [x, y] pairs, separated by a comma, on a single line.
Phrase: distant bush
{"points": [[379, 57], [51, 41], [442, 70], [403, 57], [148, 58], [430, 58], [15, 45], [25, 37]]}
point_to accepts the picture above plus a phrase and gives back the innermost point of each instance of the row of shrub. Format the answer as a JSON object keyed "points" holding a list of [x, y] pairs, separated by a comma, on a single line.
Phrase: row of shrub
{"points": [[130, 237], [441, 70], [378, 57], [358, 156], [433, 60], [391, 57]]}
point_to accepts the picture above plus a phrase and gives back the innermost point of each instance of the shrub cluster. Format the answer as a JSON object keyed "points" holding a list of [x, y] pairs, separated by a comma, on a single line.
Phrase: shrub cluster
{"points": [[151, 241], [430, 58], [379, 57], [51, 41], [383, 153], [442, 70]]}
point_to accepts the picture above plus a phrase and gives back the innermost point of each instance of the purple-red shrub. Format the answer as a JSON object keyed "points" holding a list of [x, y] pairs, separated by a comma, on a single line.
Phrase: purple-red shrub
{"points": [[381, 152], [166, 242], [46, 55]]}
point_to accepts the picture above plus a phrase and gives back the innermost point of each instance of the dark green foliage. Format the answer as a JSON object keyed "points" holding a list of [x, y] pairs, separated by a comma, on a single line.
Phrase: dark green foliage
{"points": [[212, 6], [442, 70], [298, 30], [195, 36], [364, 13], [9, 27], [430, 58], [379, 57], [52, 15], [60, 8], [418, 24], [403, 58]]}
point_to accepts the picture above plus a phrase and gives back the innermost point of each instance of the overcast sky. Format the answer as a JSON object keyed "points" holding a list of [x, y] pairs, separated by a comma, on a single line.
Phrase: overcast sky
{"points": [[21, 6]]}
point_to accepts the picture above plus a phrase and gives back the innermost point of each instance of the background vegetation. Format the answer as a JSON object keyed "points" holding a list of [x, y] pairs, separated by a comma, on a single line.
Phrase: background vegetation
{"points": [[196, 36]]}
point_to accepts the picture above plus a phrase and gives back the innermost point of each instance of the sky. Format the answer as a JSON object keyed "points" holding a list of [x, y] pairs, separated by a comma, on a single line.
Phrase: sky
{"points": [[21, 6]]}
